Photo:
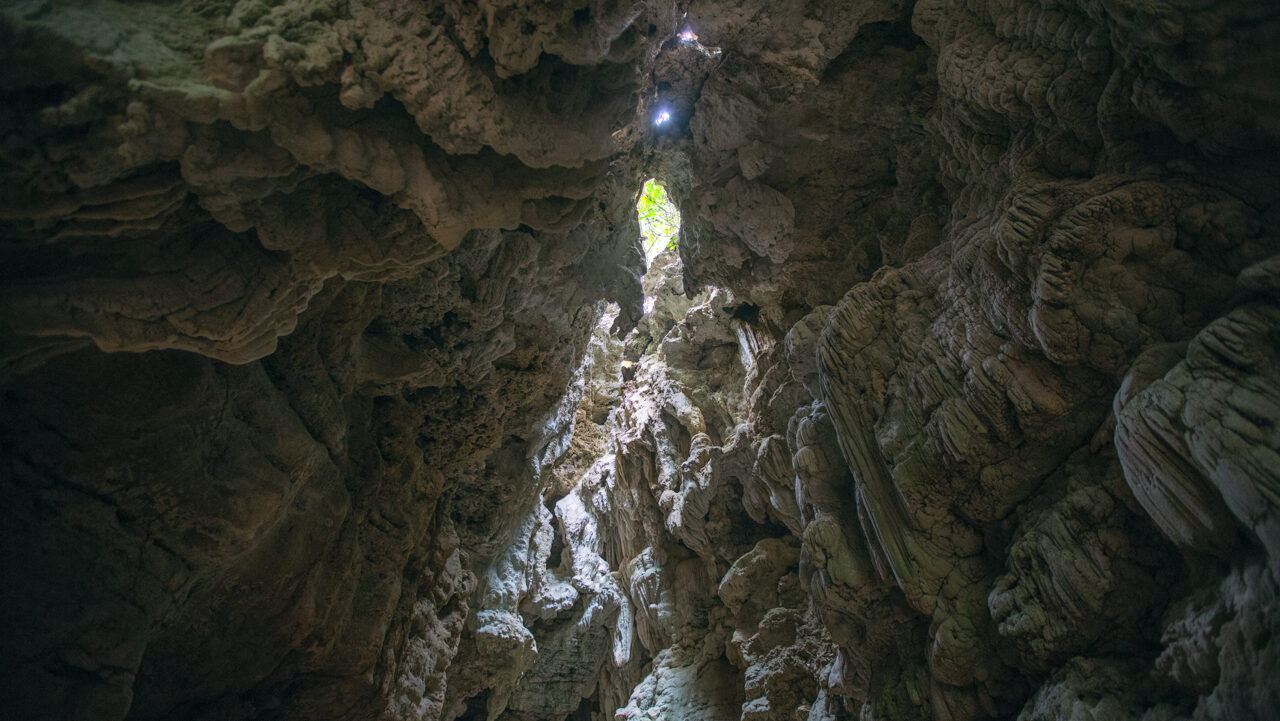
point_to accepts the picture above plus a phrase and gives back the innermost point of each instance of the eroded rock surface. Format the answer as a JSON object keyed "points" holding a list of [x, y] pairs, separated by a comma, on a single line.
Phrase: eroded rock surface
{"points": [[329, 389], [292, 294]]}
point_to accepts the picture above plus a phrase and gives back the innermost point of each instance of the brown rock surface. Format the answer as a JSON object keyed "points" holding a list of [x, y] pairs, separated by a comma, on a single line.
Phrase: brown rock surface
{"points": [[329, 391]]}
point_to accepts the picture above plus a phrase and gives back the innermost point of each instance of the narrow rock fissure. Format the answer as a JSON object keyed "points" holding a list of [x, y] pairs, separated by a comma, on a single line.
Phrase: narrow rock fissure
{"points": [[662, 629]]}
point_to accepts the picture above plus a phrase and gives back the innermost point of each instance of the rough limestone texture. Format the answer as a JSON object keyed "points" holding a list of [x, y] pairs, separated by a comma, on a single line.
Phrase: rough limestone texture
{"points": [[334, 385], [292, 294]]}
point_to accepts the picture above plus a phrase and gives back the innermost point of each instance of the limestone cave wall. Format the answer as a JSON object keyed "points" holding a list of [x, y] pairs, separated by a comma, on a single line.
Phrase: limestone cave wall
{"points": [[331, 390]]}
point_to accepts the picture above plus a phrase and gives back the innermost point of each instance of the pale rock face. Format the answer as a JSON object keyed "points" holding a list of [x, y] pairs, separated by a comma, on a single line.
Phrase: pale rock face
{"points": [[328, 393]]}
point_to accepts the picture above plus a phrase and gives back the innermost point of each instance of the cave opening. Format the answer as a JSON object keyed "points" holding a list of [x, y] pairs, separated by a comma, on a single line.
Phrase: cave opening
{"points": [[659, 220], [659, 230]]}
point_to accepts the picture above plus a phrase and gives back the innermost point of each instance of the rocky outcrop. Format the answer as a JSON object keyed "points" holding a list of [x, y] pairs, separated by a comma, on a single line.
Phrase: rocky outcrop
{"points": [[985, 434], [335, 385], [290, 293]]}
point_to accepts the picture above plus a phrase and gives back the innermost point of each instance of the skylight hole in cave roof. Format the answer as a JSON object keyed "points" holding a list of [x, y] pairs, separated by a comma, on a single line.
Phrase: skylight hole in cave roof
{"points": [[688, 37], [659, 219], [659, 224]]}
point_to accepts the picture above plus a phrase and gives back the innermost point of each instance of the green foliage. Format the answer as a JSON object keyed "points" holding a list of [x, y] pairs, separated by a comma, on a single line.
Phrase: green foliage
{"points": [[659, 219]]}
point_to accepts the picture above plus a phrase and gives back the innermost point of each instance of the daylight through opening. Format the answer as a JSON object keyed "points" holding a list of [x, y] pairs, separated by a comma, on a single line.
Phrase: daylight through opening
{"points": [[659, 220], [659, 225]]}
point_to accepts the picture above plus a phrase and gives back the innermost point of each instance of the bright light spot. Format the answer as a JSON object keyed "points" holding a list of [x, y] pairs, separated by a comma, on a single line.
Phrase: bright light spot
{"points": [[662, 117], [689, 37], [648, 304]]}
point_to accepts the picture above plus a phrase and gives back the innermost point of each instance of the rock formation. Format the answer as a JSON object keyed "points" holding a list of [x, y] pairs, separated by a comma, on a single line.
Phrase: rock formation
{"points": [[335, 385]]}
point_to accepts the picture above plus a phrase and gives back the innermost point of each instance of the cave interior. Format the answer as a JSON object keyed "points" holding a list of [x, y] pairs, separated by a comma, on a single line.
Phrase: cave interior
{"points": [[696, 360]]}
